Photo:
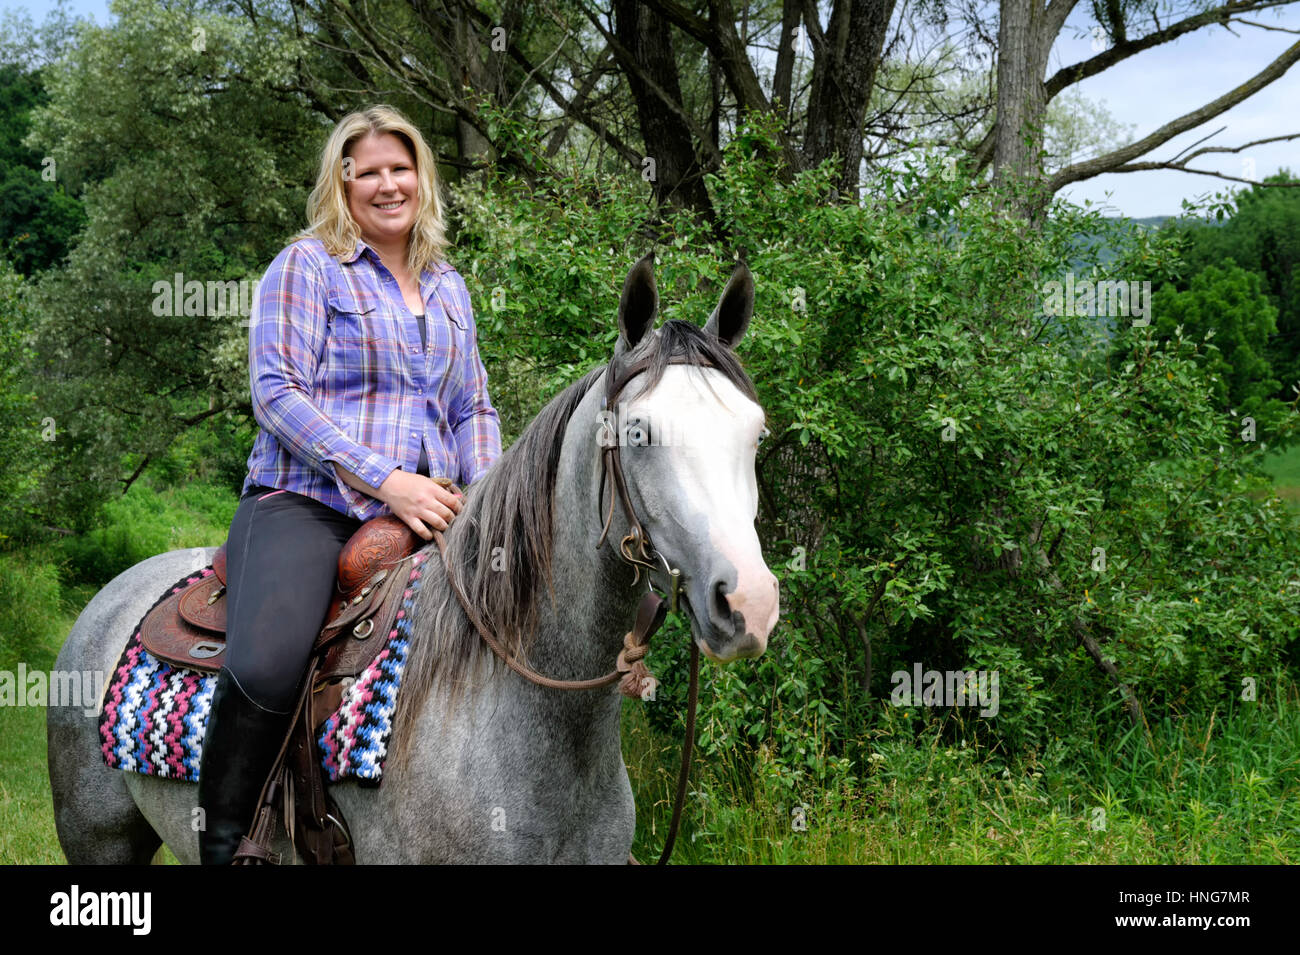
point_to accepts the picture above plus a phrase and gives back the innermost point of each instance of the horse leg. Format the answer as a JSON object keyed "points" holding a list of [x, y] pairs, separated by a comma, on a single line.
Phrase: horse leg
{"points": [[97, 820]]}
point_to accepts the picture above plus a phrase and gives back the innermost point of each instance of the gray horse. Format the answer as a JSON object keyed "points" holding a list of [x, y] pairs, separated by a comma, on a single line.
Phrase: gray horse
{"points": [[484, 766]]}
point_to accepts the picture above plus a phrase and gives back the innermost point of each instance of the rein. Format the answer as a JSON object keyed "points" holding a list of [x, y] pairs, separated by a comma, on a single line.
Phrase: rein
{"points": [[629, 671]]}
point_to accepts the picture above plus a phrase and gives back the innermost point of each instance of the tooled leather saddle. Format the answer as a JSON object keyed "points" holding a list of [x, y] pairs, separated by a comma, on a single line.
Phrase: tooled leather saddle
{"points": [[188, 629]]}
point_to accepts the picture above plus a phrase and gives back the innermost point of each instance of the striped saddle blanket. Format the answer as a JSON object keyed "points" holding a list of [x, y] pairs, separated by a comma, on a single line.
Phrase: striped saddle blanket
{"points": [[154, 713]]}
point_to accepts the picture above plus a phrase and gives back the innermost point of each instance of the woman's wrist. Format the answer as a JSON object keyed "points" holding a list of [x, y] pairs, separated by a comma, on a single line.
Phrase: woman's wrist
{"points": [[355, 482]]}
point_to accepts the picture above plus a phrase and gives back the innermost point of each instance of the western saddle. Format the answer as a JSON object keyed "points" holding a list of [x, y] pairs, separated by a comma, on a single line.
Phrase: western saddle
{"points": [[188, 630]]}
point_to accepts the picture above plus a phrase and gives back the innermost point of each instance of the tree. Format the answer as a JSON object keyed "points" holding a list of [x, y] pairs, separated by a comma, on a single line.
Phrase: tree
{"points": [[1260, 233], [1027, 29], [1226, 307], [22, 449], [38, 218], [193, 156], [936, 488], [691, 75]]}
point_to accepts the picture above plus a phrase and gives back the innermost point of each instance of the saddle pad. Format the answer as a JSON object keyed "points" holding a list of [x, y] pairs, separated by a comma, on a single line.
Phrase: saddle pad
{"points": [[154, 715]]}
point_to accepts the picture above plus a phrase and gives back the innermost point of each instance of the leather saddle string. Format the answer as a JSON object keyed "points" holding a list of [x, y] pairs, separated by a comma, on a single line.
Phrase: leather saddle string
{"points": [[255, 846], [688, 745]]}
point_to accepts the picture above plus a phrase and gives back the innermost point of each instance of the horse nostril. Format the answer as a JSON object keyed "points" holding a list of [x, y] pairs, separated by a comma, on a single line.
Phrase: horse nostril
{"points": [[720, 598]]}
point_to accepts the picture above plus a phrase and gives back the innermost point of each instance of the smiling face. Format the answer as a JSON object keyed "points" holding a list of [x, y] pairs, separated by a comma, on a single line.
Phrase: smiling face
{"points": [[383, 191]]}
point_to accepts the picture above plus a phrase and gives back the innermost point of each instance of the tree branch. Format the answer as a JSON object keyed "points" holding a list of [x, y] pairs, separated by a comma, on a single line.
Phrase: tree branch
{"points": [[1263, 26], [628, 63], [602, 132], [1125, 154], [1069, 75]]}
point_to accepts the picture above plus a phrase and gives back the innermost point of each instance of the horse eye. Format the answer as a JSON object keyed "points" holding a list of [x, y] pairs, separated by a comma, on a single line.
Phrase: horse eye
{"points": [[763, 436]]}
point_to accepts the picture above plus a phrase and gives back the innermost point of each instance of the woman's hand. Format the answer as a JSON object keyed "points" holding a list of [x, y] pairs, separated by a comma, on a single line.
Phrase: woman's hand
{"points": [[420, 501]]}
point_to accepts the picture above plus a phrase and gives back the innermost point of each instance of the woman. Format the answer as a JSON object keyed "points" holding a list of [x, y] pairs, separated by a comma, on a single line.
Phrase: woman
{"points": [[367, 385]]}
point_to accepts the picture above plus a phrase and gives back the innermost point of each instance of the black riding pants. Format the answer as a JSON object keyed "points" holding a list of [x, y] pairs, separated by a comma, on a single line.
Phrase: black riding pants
{"points": [[281, 568]]}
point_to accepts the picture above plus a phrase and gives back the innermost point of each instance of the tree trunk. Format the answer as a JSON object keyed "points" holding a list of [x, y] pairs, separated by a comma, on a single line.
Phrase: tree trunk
{"points": [[677, 175], [848, 55], [786, 51], [470, 143], [1026, 31]]}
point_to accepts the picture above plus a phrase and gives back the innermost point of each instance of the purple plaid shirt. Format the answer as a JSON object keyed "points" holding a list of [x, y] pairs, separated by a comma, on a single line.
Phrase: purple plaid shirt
{"points": [[338, 375]]}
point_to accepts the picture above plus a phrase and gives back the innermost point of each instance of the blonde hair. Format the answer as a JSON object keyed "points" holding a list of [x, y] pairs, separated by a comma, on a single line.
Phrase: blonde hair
{"points": [[327, 209]]}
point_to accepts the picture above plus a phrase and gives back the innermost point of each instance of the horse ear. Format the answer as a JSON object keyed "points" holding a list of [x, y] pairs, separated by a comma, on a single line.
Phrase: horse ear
{"points": [[638, 306], [730, 319]]}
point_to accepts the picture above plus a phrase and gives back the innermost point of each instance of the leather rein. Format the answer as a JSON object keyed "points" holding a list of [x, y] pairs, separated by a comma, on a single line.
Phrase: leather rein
{"points": [[637, 549]]}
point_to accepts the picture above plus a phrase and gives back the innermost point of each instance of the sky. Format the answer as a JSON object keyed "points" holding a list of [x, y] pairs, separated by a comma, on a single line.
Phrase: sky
{"points": [[1146, 91], [1158, 85]]}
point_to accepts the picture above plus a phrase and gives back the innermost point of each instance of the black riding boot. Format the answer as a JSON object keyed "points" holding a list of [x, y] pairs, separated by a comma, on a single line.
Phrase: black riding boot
{"points": [[241, 742]]}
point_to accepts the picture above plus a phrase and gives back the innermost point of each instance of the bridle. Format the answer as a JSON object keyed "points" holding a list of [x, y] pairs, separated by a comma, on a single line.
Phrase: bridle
{"points": [[637, 549]]}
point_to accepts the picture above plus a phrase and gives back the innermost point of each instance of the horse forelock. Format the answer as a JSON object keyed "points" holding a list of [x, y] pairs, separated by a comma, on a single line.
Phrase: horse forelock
{"points": [[678, 339]]}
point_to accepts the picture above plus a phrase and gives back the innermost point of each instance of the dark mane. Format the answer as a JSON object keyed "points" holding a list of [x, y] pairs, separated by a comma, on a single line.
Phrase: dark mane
{"points": [[510, 508]]}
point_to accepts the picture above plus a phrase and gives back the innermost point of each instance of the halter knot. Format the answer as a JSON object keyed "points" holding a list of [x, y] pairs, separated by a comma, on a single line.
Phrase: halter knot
{"points": [[637, 680]]}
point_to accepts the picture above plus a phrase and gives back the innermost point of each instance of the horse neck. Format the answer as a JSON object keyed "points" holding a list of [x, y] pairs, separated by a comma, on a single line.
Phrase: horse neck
{"points": [[580, 635]]}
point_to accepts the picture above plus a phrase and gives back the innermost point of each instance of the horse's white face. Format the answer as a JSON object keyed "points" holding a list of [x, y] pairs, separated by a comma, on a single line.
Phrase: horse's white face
{"points": [[691, 475]]}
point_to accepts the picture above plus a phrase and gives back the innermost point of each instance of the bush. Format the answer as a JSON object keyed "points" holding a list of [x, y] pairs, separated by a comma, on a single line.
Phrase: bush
{"points": [[24, 453], [956, 477], [147, 521]]}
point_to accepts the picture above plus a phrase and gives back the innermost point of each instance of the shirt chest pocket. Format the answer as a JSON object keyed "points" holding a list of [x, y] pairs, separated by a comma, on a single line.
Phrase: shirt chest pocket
{"points": [[354, 319], [449, 343], [360, 348]]}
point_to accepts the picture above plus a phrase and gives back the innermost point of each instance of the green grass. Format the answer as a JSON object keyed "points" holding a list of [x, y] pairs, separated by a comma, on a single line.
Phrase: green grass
{"points": [[1215, 789], [1284, 468], [33, 624], [45, 588]]}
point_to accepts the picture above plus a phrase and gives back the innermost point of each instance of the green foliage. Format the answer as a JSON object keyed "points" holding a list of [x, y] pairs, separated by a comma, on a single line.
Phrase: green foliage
{"points": [[1213, 787], [1257, 229], [30, 625], [38, 219], [147, 521], [947, 463], [1227, 308], [181, 130], [25, 456]]}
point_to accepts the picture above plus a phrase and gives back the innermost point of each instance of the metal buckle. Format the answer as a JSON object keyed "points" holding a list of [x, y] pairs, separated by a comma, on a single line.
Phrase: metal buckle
{"points": [[643, 558], [675, 578]]}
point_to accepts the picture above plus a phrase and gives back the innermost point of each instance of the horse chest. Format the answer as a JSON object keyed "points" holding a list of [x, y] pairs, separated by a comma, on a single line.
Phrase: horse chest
{"points": [[527, 787]]}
